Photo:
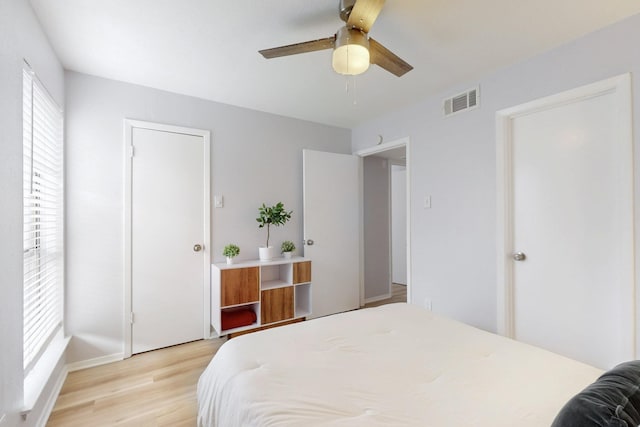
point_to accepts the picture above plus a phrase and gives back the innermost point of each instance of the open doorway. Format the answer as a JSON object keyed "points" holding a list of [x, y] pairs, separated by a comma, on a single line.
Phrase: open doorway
{"points": [[385, 224]]}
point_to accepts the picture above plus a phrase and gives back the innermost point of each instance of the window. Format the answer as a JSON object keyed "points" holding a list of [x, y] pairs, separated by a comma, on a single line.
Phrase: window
{"points": [[43, 219]]}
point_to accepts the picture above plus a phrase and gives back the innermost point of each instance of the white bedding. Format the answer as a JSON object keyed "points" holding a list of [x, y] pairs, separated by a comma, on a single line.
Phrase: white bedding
{"points": [[395, 365]]}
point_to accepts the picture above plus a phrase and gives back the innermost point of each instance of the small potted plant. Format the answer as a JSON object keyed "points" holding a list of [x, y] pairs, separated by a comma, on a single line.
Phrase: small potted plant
{"points": [[274, 215], [231, 251], [287, 248]]}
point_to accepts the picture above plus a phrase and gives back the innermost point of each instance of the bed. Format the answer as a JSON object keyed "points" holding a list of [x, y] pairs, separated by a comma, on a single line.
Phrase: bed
{"points": [[394, 365]]}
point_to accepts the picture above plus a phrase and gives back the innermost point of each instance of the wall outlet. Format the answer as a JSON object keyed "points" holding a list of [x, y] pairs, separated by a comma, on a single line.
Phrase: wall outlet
{"points": [[427, 304]]}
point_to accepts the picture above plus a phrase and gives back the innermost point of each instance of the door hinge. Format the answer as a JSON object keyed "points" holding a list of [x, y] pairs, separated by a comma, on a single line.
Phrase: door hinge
{"points": [[132, 317], [131, 151]]}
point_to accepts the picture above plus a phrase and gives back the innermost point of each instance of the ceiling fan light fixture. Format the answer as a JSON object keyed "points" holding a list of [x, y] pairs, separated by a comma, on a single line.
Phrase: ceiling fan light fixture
{"points": [[351, 52]]}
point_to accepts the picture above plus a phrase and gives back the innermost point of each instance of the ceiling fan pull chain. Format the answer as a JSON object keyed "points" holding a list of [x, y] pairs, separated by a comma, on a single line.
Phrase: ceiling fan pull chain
{"points": [[355, 91], [350, 82]]}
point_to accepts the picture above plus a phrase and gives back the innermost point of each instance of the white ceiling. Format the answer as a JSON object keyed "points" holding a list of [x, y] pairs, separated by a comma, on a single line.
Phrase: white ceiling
{"points": [[209, 48]]}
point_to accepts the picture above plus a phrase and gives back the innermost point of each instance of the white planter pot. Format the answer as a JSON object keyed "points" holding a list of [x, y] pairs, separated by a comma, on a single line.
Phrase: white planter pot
{"points": [[287, 255], [266, 253], [229, 260]]}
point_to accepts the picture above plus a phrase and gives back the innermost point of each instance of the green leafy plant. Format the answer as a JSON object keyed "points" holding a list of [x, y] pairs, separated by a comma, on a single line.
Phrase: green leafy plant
{"points": [[231, 251], [287, 246], [274, 215]]}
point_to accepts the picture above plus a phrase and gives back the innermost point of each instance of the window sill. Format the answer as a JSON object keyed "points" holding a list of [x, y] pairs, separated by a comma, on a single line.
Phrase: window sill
{"points": [[36, 380]]}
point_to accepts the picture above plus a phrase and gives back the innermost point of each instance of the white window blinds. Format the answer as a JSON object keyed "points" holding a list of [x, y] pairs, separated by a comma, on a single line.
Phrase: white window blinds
{"points": [[43, 220]]}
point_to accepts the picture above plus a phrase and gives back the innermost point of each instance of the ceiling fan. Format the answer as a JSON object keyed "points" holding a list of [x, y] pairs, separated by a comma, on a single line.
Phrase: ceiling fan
{"points": [[353, 49]]}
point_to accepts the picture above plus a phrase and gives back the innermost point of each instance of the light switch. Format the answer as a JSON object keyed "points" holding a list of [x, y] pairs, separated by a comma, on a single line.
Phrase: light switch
{"points": [[218, 201], [427, 202]]}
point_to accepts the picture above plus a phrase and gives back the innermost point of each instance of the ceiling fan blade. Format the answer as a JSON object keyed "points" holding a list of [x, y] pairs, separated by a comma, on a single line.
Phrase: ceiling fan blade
{"points": [[386, 59], [364, 14], [304, 47]]}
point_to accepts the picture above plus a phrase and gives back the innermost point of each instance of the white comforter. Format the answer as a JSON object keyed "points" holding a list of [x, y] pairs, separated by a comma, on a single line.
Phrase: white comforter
{"points": [[395, 365]]}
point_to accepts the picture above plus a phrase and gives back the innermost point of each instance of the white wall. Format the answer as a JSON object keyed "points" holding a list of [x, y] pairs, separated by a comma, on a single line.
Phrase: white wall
{"points": [[399, 224], [256, 157], [376, 228], [453, 160], [20, 37]]}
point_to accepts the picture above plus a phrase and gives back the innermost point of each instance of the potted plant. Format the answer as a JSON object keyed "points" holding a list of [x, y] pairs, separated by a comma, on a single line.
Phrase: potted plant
{"points": [[231, 251], [286, 248], [274, 215]]}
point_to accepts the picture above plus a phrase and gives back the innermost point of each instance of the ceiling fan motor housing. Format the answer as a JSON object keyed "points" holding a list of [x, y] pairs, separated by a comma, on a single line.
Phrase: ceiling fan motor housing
{"points": [[346, 6]]}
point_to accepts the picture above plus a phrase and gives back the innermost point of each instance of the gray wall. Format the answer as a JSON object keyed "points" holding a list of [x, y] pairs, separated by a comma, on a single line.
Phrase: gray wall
{"points": [[256, 157], [376, 228], [453, 160], [20, 37]]}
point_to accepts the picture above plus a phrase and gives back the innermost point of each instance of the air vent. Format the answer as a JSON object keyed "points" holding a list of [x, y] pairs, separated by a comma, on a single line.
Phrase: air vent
{"points": [[462, 102]]}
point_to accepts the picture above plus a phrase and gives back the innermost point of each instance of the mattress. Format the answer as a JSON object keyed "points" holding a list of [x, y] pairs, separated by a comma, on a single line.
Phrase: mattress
{"points": [[394, 365]]}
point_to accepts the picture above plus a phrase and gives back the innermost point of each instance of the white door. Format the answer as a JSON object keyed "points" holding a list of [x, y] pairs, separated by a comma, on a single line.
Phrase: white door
{"points": [[167, 222], [572, 228], [399, 224], [332, 230]]}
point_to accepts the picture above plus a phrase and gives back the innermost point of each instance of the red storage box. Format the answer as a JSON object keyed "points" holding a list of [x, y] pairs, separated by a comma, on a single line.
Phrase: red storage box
{"points": [[238, 317]]}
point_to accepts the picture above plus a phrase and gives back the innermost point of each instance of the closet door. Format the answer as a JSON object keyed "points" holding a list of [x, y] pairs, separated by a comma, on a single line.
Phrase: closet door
{"points": [[167, 238], [571, 230]]}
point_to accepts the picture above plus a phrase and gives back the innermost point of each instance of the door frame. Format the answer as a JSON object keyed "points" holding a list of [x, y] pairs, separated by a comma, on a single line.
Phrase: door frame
{"points": [[402, 142], [620, 86], [129, 125]]}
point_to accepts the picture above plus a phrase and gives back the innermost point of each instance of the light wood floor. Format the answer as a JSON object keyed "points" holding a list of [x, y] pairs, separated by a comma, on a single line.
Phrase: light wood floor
{"points": [[398, 294], [157, 388]]}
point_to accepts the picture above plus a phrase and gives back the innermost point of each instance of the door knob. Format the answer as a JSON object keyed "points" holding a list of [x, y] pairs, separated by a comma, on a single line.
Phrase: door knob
{"points": [[309, 242], [197, 248], [519, 256]]}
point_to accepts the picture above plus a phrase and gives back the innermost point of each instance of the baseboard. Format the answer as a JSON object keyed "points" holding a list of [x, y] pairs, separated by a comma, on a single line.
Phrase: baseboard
{"points": [[90, 363], [53, 397], [378, 298]]}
